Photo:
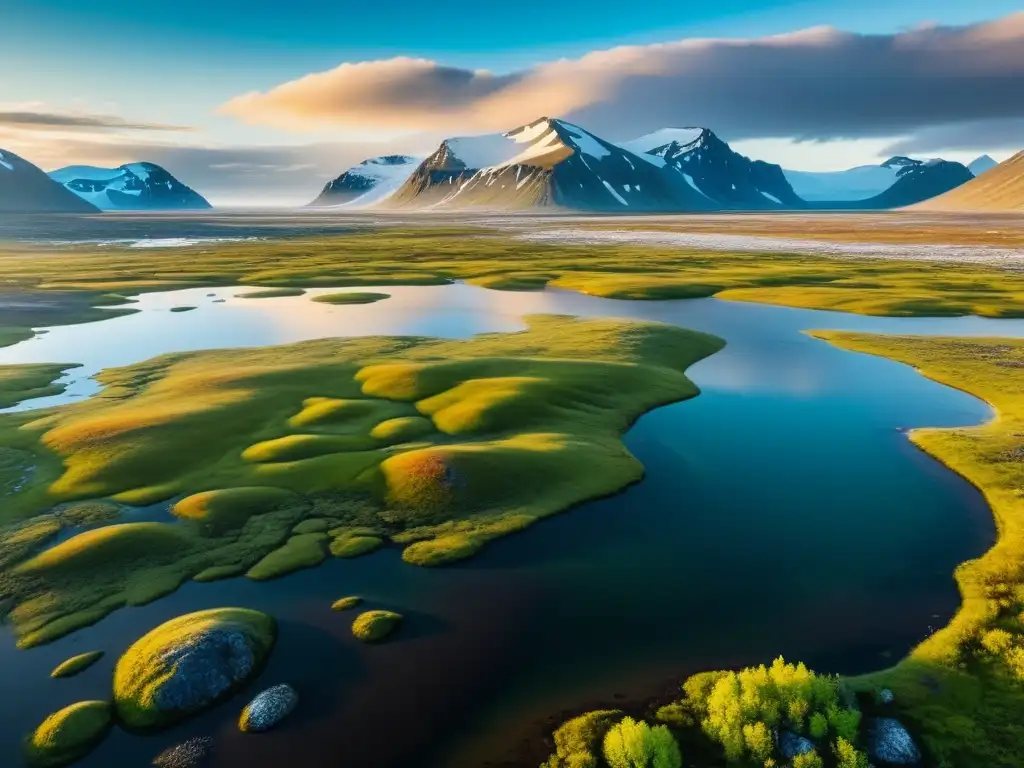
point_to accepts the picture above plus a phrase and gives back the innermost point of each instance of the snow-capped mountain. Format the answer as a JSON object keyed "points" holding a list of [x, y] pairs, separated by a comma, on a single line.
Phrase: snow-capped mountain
{"points": [[25, 188], [131, 187], [854, 184], [979, 165], [547, 163], [369, 182], [918, 180], [710, 166]]}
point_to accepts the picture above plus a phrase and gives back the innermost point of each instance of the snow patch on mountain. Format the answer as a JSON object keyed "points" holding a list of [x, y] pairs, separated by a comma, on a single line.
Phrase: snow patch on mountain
{"points": [[367, 183], [134, 186], [4, 163]]}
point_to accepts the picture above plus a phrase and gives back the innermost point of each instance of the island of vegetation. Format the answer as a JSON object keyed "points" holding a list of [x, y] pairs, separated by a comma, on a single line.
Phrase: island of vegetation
{"points": [[271, 293], [76, 664], [374, 626], [438, 446], [346, 603], [351, 298], [182, 309], [68, 735]]}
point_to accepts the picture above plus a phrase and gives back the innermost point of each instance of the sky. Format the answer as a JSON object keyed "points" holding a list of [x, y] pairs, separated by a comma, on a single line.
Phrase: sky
{"points": [[263, 102]]}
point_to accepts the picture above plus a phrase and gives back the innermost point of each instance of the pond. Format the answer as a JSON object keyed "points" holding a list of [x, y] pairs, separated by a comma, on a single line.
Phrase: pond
{"points": [[784, 511]]}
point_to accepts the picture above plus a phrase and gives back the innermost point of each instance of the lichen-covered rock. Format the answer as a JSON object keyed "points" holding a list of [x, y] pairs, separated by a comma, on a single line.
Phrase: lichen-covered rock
{"points": [[189, 663], [68, 735], [890, 743], [188, 754], [268, 709], [886, 696], [792, 744]]}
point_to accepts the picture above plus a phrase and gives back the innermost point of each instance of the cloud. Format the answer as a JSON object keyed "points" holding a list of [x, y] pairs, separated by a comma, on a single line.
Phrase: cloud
{"points": [[55, 121], [817, 84], [970, 136]]}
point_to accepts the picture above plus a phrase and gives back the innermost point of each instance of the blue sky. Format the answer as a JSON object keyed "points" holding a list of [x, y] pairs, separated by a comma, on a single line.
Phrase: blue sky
{"points": [[177, 61]]}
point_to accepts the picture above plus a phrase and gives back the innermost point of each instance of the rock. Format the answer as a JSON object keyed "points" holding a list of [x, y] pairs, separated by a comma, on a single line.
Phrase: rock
{"points": [[189, 663], [268, 709], [889, 742], [885, 696], [188, 754], [791, 745]]}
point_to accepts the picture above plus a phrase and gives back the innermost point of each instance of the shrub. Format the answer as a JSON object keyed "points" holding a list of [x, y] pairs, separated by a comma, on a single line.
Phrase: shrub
{"points": [[578, 741], [818, 726], [807, 760], [847, 756], [632, 744]]}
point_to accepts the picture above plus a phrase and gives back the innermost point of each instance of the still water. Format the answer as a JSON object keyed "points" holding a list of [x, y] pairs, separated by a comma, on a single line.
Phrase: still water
{"points": [[783, 512]]}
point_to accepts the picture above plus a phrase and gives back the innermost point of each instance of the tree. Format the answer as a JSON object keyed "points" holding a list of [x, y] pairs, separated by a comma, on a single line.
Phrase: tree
{"points": [[847, 756], [818, 726], [632, 744]]}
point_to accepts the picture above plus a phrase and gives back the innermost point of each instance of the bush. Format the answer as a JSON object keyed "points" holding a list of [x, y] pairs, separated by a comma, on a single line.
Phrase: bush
{"points": [[848, 757], [632, 744], [807, 760], [577, 742]]}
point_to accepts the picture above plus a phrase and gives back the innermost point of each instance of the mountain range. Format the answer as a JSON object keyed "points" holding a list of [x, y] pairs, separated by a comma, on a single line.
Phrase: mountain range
{"points": [[25, 188], [551, 163], [131, 187]]}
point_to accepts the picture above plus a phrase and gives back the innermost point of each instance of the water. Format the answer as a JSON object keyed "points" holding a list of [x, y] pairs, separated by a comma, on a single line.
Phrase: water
{"points": [[783, 512]]}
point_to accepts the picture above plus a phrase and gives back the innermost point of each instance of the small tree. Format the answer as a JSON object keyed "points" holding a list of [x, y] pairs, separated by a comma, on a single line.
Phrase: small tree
{"points": [[847, 756], [632, 744], [807, 760], [818, 726]]}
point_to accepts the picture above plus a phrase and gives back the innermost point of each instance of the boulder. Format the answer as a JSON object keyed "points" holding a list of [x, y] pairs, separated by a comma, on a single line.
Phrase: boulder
{"points": [[188, 754], [890, 743], [886, 696], [188, 664], [268, 709], [792, 745]]}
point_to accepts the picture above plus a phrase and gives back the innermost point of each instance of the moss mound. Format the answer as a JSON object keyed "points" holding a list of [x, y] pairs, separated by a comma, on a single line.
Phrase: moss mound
{"points": [[230, 508], [403, 429], [271, 293], [189, 663], [76, 664], [346, 603], [68, 735], [356, 297], [374, 626], [302, 551]]}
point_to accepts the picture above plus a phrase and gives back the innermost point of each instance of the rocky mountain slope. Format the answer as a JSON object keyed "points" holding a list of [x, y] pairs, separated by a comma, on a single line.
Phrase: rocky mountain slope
{"points": [[999, 189], [368, 183], [132, 187], [859, 183], [547, 163], [979, 165], [25, 188], [918, 180], [710, 166]]}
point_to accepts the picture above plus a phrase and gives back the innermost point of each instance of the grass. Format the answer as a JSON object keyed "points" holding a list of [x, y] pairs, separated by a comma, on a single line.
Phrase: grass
{"points": [[68, 735], [437, 445], [76, 664], [346, 603], [142, 670], [182, 309], [271, 293], [374, 626], [351, 298], [963, 687], [21, 382]]}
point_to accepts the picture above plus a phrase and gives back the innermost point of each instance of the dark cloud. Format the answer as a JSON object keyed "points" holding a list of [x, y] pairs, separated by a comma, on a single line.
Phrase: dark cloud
{"points": [[984, 136], [818, 84], [54, 121]]}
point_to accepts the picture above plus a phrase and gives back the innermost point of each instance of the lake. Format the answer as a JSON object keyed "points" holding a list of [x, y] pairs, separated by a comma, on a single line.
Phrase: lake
{"points": [[784, 511]]}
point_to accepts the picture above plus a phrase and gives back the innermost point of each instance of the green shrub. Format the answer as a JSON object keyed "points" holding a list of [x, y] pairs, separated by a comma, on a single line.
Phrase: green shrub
{"points": [[577, 741], [818, 726], [632, 744], [808, 760], [847, 756]]}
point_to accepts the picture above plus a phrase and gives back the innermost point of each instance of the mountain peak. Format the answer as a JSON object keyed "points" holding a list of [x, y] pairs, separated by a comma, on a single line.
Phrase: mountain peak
{"points": [[132, 186]]}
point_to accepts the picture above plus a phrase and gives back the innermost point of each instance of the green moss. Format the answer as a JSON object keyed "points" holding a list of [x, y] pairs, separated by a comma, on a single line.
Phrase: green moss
{"points": [[578, 741], [346, 603], [303, 551], [218, 572], [374, 626], [403, 429], [354, 546], [68, 735], [23, 382], [77, 664], [313, 525], [182, 309], [959, 685], [230, 508], [350, 298], [271, 293], [142, 670]]}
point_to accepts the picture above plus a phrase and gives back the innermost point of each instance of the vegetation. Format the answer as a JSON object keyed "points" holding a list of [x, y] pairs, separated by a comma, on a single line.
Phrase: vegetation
{"points": [[963, 687], [632, 744], [373, 626], [21, 382], [354, 297], [258, 441], [271, 293], [182, 309], [578, 742], [68, 735], [346, 603], [76, 664], [143, 669]]}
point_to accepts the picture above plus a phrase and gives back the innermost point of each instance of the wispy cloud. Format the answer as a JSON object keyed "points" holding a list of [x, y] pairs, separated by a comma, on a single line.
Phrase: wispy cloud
{"points": [[817, 84], [69, 121]]}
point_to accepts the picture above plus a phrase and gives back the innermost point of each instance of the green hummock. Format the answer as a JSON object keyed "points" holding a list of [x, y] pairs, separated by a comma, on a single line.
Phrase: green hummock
{"points": [[346, 603], [68, 735], [182, 309], [351, 298], [436, 445], [77, 664], [271, 293], [373, 626], [142, 670]]}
